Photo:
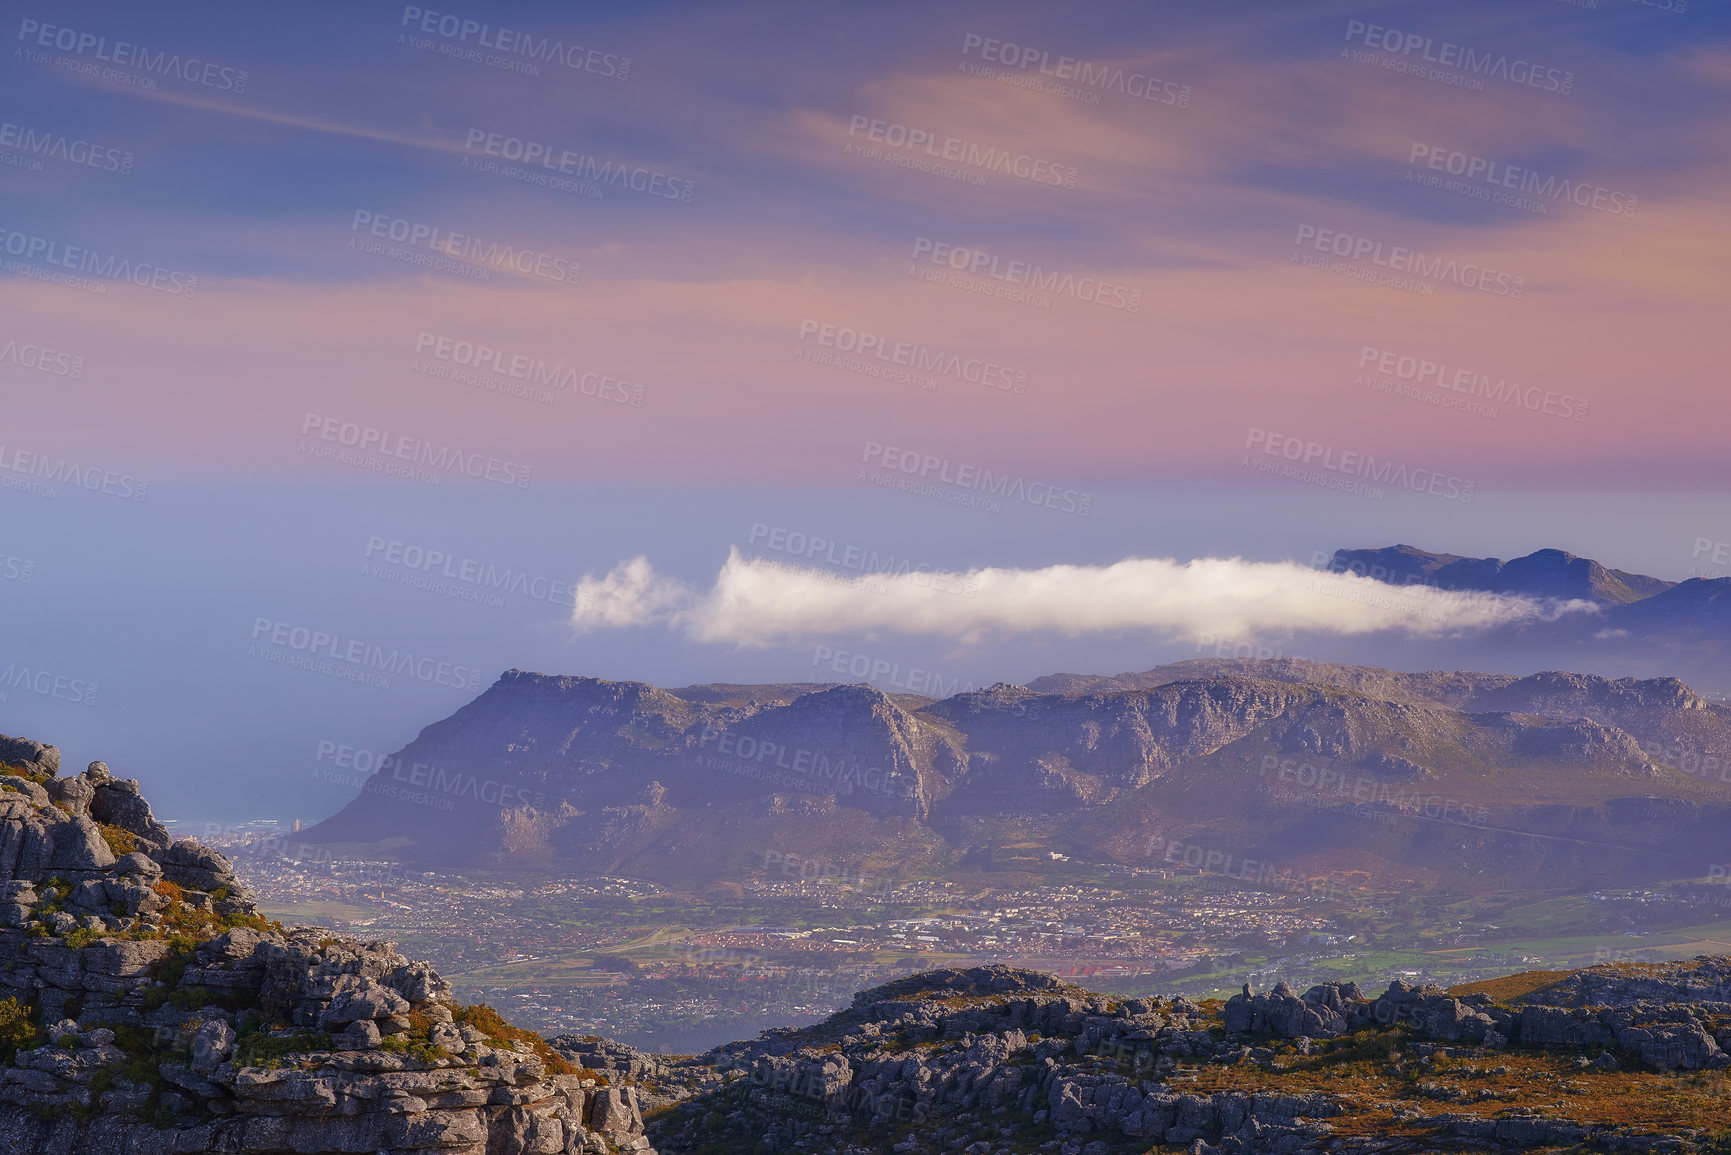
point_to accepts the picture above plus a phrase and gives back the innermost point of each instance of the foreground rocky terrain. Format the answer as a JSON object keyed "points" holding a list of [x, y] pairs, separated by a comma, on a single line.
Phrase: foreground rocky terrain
{"points": [[993, 1060], [146, 1008]]}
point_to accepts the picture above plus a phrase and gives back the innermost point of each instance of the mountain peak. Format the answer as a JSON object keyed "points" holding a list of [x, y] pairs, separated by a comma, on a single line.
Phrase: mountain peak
{"points": [[1544, 573]]}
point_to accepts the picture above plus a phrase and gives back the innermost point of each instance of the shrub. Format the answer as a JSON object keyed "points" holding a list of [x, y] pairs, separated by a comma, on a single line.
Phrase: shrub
{"points": [[502, 1034], [258, 1049], [169, 969], [16, 1029], [120, 842]]}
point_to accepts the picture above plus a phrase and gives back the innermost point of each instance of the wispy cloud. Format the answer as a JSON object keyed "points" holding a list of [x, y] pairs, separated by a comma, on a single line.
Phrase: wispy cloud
{"points": [[759, 603]]}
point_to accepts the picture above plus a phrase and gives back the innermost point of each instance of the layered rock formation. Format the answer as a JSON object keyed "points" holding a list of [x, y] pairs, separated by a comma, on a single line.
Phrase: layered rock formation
{"points": [[1469, 777], [145, 1007], [992, 1061]]}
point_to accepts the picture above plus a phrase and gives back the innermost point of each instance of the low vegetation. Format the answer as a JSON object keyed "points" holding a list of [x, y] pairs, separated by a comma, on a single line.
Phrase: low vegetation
{"points": [[500, 1033]]}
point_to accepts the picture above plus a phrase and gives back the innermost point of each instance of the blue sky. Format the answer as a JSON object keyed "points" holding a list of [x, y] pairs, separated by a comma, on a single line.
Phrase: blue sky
{"points": [[695, 380]]}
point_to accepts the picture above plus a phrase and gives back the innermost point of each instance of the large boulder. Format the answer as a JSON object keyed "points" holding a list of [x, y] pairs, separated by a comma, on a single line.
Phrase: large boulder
{"points": [[117, 802], [77, 844], [1673, 1046], [1561, 1027], [27, 754], [1325, 1011], [195, 866]]}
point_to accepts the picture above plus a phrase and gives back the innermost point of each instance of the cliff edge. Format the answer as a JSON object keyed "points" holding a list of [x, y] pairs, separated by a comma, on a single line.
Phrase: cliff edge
{"points": [[146, 1007]]}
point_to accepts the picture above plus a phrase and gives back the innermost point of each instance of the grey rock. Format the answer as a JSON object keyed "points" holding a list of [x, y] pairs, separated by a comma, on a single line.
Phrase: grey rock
{"points": [[360, 1035], [211, 1045], [72, 795], [138, 863], [77, 844], [364, 1100], [30, 754], [117, 802]]}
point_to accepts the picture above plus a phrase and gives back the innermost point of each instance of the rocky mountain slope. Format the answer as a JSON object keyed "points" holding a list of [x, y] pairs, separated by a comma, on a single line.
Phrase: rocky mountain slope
{"points": [[1635, 618], [1545, 573], [146, 1008], [1438, 778], [992, 1061]]}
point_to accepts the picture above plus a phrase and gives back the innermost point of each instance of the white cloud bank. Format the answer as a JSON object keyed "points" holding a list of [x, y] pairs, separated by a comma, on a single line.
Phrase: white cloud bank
{"points": [[759, 603]]}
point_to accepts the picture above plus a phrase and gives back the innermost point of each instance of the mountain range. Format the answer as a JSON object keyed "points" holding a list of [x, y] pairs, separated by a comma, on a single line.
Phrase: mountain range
{"points": [[1631, 620], [1277, 768], [1545, 573]]}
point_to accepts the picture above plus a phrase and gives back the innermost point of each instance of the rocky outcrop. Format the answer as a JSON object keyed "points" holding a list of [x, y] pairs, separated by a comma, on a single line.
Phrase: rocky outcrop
{"points": [[1323, 1013], [1705, 979], [145, 1007], [1665, 1017], [937, 1055], [991, 1060]]}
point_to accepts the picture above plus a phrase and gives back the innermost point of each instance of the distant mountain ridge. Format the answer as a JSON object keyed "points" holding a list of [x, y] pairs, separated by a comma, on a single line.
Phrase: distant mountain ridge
{"points": [[1638, 622], [1545, 573], [1312, 766]]}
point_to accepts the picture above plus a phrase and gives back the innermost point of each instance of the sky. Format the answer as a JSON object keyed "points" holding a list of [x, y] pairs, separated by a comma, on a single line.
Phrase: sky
{"points": [[313, 315]]}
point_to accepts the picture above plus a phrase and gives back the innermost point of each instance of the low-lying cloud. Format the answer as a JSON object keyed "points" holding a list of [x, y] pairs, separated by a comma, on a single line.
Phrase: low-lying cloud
{"points": [[759, 603]]}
